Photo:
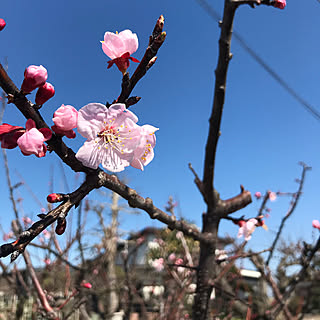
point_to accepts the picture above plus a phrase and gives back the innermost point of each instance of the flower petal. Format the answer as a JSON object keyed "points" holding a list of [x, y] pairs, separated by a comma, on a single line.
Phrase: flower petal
{"points": [[91, 120], [130, 40], [89, 155]]}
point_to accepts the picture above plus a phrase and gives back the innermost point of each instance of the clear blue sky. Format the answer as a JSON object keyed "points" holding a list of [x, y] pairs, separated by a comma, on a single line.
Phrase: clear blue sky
{"points": [[265, 132]]}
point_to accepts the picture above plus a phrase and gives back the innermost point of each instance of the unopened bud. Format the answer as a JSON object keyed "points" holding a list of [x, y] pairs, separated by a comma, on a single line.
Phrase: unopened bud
{"points": [[2, 24], [87, 285], [61, 226], [163, 36], [55, 197], [151, 62], [241, 223], [44, 93], [34, 77]]}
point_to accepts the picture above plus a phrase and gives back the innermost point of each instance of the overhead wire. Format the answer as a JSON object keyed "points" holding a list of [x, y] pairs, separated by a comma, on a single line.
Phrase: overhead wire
{"points": [[215, 15]]}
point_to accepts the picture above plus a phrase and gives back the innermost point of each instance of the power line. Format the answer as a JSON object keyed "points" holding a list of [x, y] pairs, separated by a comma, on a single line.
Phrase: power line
{"points": [[206, 6]]}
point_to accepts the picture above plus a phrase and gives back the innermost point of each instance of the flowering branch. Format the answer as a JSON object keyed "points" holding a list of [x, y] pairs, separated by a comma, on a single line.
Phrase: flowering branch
{"points": [[155, 42], [294, 202]]}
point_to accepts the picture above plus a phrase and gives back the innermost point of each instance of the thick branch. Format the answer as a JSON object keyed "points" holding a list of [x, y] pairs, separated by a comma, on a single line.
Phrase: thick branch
{"points": [[234, 204], [218, 101]]}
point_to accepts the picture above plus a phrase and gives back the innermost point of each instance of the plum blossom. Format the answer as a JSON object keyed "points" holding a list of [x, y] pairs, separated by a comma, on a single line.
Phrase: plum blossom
{"points": [[316, 224], [8, 236], [280, 4], [157, 264], [65, 119], [247, 228], [153, 245], [32, 140], [272, 196], [258, 195], [34, 77], [172, 257], [119, 47], [113, 138], [47, 261], [26, 220]]}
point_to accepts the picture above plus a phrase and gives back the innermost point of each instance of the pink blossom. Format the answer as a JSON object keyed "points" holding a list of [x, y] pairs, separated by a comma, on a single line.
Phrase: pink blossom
{"points": [[172, 257], [65, 119], [158, 264], [280, 4], [9, 135], [44, 93], [257, 195], [272, 196], [119, 48], [95, 271], [113, 138], [47, 261], [26, 220], [179, 261], [316, 224], [2, 24], [247, 229], [46, 233], [34, 77], [87, 285], [32, 141], [8, 236]]}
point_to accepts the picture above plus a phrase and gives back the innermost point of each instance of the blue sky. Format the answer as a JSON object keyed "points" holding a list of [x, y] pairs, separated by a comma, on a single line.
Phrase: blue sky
{"points": [[265, 132]]}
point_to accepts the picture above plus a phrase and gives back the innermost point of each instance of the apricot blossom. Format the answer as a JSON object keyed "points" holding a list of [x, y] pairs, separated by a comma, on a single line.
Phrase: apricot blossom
{"points": [[113, 138]]}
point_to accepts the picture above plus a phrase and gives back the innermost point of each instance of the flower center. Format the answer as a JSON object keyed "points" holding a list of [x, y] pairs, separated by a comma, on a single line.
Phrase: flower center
{"points": [[110, 137]]}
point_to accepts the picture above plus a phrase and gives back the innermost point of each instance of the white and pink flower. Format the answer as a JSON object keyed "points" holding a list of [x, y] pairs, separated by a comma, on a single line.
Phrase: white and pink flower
{"points": [[247, 228], [157, 264], [113, 138], [316, 224], [119, 47]]}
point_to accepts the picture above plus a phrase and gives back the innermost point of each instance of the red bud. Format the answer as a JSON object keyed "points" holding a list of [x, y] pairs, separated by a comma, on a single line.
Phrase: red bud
{"points": [[54, 197], [44, 93], [2, 24], [61, 226]]}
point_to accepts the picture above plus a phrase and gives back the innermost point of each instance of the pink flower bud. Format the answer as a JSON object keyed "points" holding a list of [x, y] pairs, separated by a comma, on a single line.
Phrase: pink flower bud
{"points": [[2, 24], [34, 77], [257, 195], [279, 4], [44, 93], [65, 119], [172, 257], [87, 285], [316, 224], [54, 197], [47, 261]]}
